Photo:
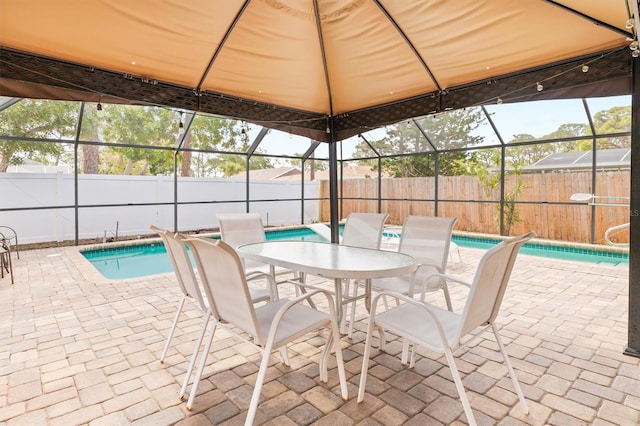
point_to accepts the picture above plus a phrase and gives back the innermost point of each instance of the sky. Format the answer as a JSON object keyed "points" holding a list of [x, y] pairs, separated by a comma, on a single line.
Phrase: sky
{"points": [[537, 118]]}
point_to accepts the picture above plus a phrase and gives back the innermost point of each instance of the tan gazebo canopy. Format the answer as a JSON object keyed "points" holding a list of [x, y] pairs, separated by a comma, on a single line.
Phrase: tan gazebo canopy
{"points": [[306, 65]]}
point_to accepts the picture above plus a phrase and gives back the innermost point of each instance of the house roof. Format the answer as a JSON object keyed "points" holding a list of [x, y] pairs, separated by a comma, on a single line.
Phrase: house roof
{"points": [[619, 158], [269, 174], [348, 172]]}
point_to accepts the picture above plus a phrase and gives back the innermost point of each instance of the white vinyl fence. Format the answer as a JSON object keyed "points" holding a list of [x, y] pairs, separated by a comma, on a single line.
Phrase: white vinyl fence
{"points": [[43, 190]]}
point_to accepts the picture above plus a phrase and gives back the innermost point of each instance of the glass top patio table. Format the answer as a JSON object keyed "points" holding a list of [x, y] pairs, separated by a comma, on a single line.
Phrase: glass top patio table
{"points": [[333, 261]]}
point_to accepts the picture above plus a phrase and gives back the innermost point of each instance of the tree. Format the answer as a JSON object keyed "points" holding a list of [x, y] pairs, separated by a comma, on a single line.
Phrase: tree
{"points": [[144, 126], [36, 119], [210, 133], [311, 162], [613, 120], [448, 130], [487, 167], [91, 132]]}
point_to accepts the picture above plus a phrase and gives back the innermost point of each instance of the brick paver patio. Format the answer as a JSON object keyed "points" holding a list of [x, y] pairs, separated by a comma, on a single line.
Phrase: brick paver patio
{"points": [[76, 348]]}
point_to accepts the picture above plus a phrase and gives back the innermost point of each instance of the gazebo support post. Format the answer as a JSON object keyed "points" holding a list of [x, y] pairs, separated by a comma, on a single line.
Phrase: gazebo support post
{"points": [[633, 347], [333, 182]]}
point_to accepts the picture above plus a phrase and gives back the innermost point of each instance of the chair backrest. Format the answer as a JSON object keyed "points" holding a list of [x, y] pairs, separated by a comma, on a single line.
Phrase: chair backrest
{"points": [[182, 266], [225, 285], [490, 283], [427, 239], [364, 230], [240, 228]]}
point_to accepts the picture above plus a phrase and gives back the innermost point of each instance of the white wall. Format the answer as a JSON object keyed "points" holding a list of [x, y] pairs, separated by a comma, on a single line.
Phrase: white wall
{"points": [[57, 189]]}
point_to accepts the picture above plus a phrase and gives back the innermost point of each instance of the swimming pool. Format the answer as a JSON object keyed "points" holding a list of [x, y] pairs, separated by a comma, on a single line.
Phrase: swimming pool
{"points": [[138, 260], [130, 261]]}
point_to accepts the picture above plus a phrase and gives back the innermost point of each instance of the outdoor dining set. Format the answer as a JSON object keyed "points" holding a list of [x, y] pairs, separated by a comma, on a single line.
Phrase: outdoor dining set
{"points": [[235, 282]]}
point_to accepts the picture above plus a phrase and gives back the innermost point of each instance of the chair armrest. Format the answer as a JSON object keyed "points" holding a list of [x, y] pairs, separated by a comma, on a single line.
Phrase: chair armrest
{"points": [[303, 297], [430, 265], [273, 291], [8, 235], [254, 275], [454, 279], [446, 278], [420, 286], [426, 265]]}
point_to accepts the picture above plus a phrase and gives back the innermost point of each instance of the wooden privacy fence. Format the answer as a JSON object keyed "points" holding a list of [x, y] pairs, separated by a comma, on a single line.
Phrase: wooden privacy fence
{"points": [[465, 198]]}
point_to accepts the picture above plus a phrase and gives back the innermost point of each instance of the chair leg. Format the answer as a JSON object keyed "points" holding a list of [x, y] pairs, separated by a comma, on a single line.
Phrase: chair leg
{"points": [[512, 373], [5, 263], [334, 341], [173, 329], [381, 341], [405, 352], [447, 297], [257, 389], [194, 355], [284, 355], [343, 324], [365, 357], [405, 360], [335, 333], [461, 392], [203, 361]]}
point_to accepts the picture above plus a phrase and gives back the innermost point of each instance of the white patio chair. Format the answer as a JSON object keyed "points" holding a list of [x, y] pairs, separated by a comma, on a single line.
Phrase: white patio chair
{"points": [[362, 230], [428, 240], [186, 277], [441, 330], [237, 229], [269, 327]]}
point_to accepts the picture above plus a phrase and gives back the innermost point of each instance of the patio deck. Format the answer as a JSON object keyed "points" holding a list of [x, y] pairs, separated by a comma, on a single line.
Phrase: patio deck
{"points": [[78, 349]]}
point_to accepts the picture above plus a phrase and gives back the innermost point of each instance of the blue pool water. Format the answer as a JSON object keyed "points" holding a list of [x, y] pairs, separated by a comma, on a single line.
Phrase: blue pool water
{"points": [[151, 258]]}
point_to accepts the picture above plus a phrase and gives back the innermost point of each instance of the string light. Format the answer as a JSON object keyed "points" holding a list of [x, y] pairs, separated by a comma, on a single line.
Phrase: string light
{"points": [[99, 106], [629, 24], [539, 87], [585, 68], [499, 101]]}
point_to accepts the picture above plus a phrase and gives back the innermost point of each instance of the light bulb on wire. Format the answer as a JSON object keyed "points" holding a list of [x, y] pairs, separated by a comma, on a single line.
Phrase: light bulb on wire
{"points": [[585, 68], [539, 87], [499, 101], [629, 24]]}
